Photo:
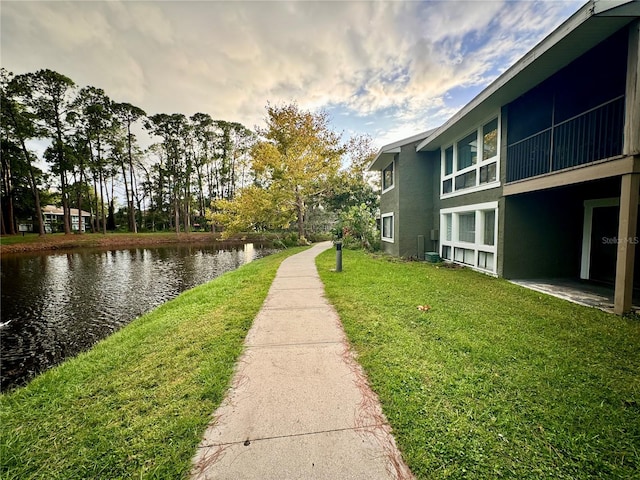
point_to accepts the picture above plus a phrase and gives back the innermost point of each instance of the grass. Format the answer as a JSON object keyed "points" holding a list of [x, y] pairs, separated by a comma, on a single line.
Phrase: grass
{"points": [[494, 381], [16, 239], [137, 404], [59, 241], [88, 239]]}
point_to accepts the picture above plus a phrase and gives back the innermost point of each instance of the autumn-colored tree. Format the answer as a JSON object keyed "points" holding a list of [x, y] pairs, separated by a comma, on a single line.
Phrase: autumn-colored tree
{"points": [[298, 156], [254, 209]]}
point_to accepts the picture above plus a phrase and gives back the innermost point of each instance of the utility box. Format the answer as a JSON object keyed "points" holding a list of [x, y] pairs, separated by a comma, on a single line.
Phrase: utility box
{"points": [[432, 257]]}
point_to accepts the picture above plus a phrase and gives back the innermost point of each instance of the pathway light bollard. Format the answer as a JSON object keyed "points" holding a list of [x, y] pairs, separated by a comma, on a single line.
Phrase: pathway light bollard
{"points": [[339, 256]]}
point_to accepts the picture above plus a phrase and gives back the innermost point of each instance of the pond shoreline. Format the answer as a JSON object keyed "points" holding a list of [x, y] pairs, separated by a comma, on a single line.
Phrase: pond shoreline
{"points": [[49, 242], [57, 303]]}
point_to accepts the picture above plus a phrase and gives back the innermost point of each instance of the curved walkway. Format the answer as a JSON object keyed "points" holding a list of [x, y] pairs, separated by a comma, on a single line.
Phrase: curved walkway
{"points": [[299, 406]]}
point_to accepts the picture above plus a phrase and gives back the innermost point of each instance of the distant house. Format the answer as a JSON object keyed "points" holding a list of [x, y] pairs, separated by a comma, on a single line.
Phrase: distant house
{"points": [[539, 175], [54, 219]]}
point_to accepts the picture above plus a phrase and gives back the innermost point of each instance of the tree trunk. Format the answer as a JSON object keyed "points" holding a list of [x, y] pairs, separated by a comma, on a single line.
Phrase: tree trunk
{"points": [[96, 222], [79, 202], [7, 202], [132, 212], [176, 211], [300, 211], [3, 231], [102, 212], [63, 177], [34, 188], [36, 197], [131, 225]]}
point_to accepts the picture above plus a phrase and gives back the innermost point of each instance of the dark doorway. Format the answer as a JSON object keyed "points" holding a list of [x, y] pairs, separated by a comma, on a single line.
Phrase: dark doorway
{"points": [[604, 246], [604, 233]]}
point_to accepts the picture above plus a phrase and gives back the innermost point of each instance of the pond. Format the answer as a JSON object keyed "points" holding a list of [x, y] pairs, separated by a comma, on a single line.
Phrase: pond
{"points": [[56, 305]]}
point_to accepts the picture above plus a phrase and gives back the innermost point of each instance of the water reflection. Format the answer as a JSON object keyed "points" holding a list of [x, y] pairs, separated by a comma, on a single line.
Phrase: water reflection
{"points": [[57, 305]]}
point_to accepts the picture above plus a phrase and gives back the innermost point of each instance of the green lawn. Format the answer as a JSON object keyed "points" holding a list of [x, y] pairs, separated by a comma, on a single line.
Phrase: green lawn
{"points": [[494, 381], [137, 404], [16, 239]]}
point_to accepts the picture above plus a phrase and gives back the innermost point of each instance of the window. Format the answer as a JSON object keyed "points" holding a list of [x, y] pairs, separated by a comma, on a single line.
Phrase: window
{"points": [[387, 177], [465, 255], [448, 226], [489, 232], [387, 227], [488, 173], [467, 151], [472, 162], [490, 140], [448, 161], [467, 227], [485, 260], [468, 235], [466, 180]]}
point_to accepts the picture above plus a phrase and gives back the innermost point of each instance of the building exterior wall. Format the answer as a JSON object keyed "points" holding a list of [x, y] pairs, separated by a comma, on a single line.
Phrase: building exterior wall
{"points": [[543, 231], [389, 202], [416, 210], [413, 202], [566, 144]]}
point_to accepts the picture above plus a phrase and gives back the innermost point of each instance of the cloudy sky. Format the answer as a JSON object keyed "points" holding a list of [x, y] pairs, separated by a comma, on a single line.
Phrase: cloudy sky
{"points": [[387, 68]]}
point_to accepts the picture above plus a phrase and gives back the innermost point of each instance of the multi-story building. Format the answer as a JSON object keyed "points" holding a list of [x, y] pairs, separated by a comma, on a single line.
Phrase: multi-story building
{"points": [[539, 175]]}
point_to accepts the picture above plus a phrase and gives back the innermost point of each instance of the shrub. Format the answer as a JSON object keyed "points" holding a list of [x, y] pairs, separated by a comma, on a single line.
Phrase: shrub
{"points": [[357, 228]]}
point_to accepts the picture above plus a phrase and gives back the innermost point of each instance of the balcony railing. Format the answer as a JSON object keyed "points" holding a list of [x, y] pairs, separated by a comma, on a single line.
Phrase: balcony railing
{"points": [[593, 135]]}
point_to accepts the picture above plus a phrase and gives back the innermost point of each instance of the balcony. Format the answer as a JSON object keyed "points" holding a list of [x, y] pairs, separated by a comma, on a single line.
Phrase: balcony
{"points": [[593, 135]]}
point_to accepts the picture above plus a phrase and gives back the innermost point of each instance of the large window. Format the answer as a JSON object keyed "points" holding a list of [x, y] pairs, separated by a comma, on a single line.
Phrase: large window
{"points": [[467, 227], [387, 177], [387, 227], [467, 150], [472, 162], [469, 237]]}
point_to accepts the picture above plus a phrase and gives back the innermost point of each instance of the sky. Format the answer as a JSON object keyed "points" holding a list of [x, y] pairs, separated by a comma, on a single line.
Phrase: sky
{"points": [[389, 69]]}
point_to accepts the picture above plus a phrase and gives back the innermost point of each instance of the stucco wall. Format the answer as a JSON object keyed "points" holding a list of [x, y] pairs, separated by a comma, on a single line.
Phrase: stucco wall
{"points": [[389, 204], [542, 235], [416, 210]]}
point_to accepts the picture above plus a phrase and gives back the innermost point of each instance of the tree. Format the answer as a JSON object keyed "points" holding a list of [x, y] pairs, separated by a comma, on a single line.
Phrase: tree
{"points": [[174, 132], [93, 110], [18, 126], [353, 185], [254, 209], [79, 151], [357, 228], [202, 128], [128, 115], [299, 154], [50, 102]]}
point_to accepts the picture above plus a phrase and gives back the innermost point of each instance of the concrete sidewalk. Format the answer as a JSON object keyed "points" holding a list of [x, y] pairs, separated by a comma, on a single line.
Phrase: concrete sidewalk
{"points": [[299, 406]]}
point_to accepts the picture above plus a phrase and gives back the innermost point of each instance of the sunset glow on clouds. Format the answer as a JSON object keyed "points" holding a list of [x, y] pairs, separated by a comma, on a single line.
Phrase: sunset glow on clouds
{"points": [[389, 69]]}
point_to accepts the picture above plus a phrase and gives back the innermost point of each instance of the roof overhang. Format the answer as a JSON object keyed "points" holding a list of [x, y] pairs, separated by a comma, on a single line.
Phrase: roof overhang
{"points": [[594, 22], [386, 153]]}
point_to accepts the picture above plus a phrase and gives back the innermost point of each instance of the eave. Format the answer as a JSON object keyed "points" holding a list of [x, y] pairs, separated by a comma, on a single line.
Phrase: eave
{"points": [[594, 22], [386, 153]]}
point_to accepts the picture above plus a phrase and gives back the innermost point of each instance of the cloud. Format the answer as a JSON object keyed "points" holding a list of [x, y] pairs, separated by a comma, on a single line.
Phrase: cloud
{"points": [[381, 63]]}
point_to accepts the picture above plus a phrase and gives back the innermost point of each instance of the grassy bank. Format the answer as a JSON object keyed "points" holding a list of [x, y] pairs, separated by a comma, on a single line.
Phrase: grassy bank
{"points": [[136, 405], [494, 381], [59, 241]]}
